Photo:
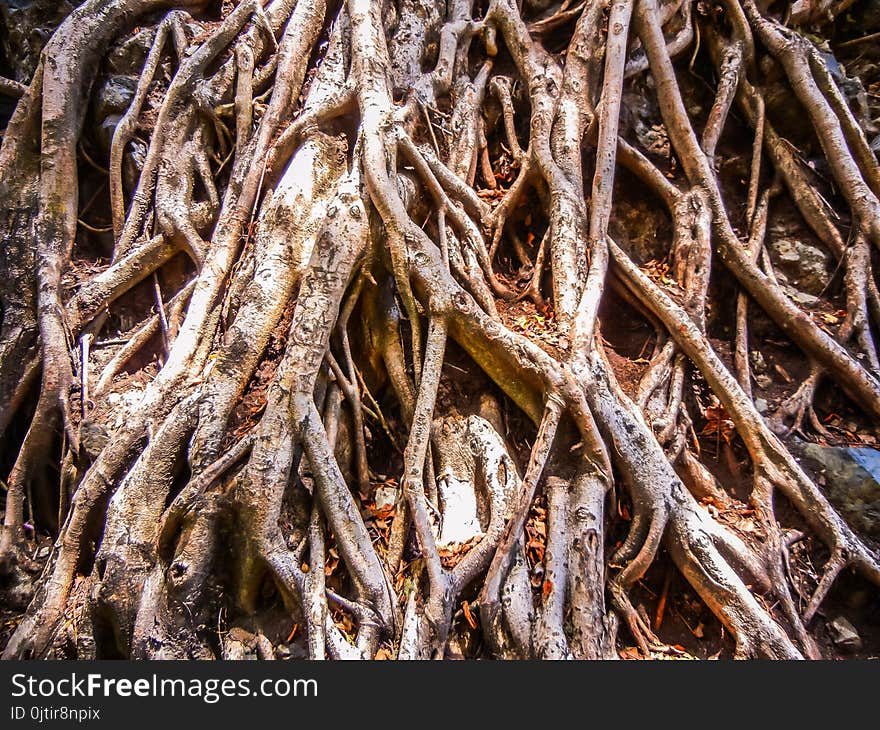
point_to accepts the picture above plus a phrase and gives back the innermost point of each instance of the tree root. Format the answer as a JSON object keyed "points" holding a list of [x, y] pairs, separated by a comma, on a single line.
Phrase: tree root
{"points": [[354, 291]]}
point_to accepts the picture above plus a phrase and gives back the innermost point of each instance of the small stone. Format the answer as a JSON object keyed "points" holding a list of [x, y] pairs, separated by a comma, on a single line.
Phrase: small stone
{"points": [[761, 405], [763, 381], [282, 652], [806, 263], [759, 364], [129, 56], [799, 297], [43, 552], [844, 634], [93, 438], [385, 497], [115, 96]]}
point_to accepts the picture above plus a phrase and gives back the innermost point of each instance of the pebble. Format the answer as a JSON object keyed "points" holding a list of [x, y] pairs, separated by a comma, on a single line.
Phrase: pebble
{"points": [[385, 497], [844, 634]]}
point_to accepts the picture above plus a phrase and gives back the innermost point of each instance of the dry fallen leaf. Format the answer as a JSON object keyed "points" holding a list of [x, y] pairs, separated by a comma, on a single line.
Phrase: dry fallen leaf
{"points": [[468, 615]]}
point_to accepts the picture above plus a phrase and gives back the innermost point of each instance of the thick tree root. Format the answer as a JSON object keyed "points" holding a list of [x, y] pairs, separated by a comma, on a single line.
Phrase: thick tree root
{"points": [[342, 209]]}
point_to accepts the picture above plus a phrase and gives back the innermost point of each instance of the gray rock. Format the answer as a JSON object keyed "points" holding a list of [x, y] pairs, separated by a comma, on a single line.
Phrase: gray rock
{"points": [[852, 476], [385, 497], [133, 162], [27, 25], [799, 297], [93, 437], [807, 266], [104, 133], [844, 634], [642, 226], [114, 96], [799, 259], [129, 56], [759, 364], [763, 381], [761, 405]]}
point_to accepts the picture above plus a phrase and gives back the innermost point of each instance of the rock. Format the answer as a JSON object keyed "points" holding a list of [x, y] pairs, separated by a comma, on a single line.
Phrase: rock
{"points": [[642, 226], [133, 162], [129, 56], [844, 634], [18, 595], [239, 644], [806, 266], [759, 364], [761, 405], [853, 482], [799, 259], [27, 25], [799, 297], [640, 110], [114, 96], [104, 133], [385, 497], [763, 381], [43, 552], [282, 652], [93, 438]]}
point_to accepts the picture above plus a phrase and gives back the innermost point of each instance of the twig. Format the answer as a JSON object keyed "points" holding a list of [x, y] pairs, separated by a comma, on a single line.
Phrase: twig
{"points": [[84, 342], [160, 311], [858, 41], [661, 604]]}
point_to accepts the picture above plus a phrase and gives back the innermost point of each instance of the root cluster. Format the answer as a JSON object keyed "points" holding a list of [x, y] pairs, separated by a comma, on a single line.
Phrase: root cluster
{"points": [[325, 222]]}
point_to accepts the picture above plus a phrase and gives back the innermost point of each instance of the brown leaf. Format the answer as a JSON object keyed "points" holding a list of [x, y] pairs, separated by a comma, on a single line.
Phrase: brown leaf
{"points": [[468, 615]]}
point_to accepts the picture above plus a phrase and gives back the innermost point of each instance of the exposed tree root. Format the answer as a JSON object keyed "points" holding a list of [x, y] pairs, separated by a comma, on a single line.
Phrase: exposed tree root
{"points": [[371, 239]]}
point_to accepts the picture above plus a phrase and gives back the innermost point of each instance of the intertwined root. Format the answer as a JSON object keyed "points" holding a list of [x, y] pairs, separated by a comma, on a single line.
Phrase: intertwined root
{"points": [[321, 179]]}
